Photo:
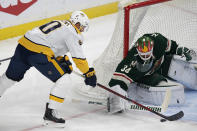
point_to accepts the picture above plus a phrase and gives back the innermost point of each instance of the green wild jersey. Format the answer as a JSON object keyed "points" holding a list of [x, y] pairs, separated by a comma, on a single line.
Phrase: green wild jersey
{"points": [[128, 70]]}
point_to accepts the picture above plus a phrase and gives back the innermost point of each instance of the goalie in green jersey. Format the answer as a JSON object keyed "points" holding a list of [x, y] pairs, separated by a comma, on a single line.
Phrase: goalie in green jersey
{"points": [[147, 63]]}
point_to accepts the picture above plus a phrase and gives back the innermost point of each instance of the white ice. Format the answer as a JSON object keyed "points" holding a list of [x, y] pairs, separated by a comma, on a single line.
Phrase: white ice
{"points": [[23, 105]]}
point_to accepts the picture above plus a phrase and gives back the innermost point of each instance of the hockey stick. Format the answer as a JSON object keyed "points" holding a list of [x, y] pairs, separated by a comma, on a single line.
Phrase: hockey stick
{"points": [[131, 106], [5, 59], [173, 117], [87, 102]]}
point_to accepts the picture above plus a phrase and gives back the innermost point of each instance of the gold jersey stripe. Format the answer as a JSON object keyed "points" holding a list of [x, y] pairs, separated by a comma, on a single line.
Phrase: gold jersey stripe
{"points": [[122, 77], [57, 66], [36, 47], [57, 99], [81, 64]]}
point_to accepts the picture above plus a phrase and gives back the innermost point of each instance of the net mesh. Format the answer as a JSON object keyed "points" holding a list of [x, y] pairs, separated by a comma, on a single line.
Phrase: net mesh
{"points": [[177, 20]]}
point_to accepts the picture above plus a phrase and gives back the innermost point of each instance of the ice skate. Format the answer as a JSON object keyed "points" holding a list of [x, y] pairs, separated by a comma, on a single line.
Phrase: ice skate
{"points": [[51, 118]]}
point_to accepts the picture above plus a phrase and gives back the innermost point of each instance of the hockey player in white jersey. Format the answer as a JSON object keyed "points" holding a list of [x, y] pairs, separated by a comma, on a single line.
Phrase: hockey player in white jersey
{"points": [[45, 48]]}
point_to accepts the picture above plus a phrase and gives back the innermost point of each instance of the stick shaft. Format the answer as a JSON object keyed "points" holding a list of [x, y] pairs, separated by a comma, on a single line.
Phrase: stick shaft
{"points": [[131, 106], [170, 118], [126, 98], [5, 59]]}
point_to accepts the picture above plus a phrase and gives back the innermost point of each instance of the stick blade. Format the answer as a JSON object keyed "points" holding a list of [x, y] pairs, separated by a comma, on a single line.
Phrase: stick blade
{"points": [[176, 116]]}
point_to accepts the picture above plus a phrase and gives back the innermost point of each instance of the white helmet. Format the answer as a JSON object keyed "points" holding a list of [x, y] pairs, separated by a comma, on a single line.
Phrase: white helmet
{"points": [[80, 17]]}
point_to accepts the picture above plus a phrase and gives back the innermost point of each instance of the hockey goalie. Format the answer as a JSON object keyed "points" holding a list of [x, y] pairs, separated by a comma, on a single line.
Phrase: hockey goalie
{"points": [[153, 65]]}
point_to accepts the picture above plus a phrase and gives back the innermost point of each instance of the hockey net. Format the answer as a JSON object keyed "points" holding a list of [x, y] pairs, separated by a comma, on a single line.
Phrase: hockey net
{"points": [[175, 19]]}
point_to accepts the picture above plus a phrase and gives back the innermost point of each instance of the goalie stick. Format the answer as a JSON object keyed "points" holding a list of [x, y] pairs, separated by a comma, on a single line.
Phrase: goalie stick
{"points": [[131, 106], [173, 117]]}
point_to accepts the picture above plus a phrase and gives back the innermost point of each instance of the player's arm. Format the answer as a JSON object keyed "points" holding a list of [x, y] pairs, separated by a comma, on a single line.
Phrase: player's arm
{"points": [[122, 75], [80, 61], [89, 73], [173, 48]]}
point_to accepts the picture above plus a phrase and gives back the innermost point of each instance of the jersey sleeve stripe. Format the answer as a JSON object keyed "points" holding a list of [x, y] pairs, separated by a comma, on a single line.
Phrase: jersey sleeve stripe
{"points": [[122, 77], [81, 64], [55, 98], [168, 48]]}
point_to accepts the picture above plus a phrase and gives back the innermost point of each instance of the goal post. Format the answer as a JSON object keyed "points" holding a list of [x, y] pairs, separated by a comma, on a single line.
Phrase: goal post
{"points": [[175, 19]]}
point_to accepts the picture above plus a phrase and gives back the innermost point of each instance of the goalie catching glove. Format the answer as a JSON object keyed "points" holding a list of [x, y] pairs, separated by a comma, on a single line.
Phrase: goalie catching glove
{"points": [[184, 51], [90, 77], [65, 63]]}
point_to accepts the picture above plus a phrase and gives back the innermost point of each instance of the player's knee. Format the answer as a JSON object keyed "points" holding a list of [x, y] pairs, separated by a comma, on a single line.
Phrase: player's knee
{"points": [[14, 76]]}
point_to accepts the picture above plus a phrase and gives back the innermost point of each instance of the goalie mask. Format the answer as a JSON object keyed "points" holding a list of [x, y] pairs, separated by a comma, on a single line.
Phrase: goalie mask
{"points": [[82, 18], [144, 46]]}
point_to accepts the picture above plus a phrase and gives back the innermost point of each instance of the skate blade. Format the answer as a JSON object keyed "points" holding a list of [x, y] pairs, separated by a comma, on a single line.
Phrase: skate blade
{"points": [[53, 124], [117, 111], [195, 67]]}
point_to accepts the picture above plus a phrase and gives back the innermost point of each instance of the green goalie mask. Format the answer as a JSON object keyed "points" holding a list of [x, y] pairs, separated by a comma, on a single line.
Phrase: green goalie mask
{"points": [[144, 46]]}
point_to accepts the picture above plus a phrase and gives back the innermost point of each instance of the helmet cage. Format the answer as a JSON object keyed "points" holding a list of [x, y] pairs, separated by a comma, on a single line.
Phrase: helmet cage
{"points": [[145, 48], [145, 56]]}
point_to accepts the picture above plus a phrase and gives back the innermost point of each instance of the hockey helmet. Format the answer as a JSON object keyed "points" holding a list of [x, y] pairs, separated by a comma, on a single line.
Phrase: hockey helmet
{"points": [[80, 17], [144, 46]]}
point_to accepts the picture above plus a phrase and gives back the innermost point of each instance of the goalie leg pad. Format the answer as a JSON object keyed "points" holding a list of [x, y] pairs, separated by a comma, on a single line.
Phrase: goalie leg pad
{"points": [[184, 72], [115, 103], [155, 94]]}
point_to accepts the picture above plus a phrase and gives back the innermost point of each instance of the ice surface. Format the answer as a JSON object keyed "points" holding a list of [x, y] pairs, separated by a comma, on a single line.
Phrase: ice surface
{"points": [[22, 107]]}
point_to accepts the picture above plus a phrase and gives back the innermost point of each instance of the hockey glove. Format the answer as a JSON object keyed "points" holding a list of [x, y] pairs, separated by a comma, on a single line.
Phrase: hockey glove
{"points": [[184, 51], [90, 77], [65, 63]]}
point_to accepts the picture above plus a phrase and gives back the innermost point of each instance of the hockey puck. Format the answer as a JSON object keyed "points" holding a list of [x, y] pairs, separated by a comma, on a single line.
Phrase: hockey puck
{"points": [[162, 120]]}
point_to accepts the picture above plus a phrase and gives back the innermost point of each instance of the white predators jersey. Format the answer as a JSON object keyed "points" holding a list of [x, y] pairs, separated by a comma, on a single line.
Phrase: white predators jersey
{"points": [[61, 37], [56, 38]]}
